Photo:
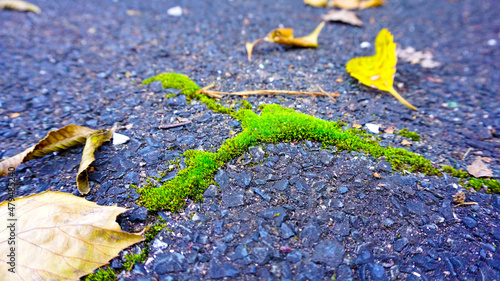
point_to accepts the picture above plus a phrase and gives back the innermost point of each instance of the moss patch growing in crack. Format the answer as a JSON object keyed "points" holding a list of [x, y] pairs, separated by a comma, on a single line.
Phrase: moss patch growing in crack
{"points": [[455, 173], [275, 124], [132, 259], [492, 185], [102, 275], [409, 134]]}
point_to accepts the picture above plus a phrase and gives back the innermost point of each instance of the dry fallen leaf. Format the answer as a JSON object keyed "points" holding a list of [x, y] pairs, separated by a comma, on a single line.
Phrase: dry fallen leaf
{"points": [[417, 57], [377, 175], [55, 141], [343, 16], [478, 169], [378, 71], [357, 126], [390, 130], [285, 36], [459, 199], [406, 143], [18, 5], [316, 3], [93, 142], [60, 236]]}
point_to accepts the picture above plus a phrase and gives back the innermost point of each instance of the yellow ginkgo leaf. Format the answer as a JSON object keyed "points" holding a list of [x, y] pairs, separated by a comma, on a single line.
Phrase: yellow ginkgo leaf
{"points": [[316, 3], [378, 71], [370, 4], [284, 36], [345, 4], [355, 4]]}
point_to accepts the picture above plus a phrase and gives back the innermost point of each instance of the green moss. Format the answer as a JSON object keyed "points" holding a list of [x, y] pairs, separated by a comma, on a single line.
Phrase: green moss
{"points": [[188, 87], [102, 275], [274, 124], [492, 185], [170, 96], [132, 259], [409, 134], [246, 104], [455, 173]]}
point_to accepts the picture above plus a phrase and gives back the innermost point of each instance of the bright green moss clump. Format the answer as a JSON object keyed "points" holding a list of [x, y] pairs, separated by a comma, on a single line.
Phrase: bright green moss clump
{"points": [[455, 173], [188, 87], [409, 134], [492, 185], [102, 275], [275, 124]]}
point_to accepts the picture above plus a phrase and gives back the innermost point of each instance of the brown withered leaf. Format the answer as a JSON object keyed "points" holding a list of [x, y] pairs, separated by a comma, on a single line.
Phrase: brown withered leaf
{"points": [[316, 3], [344, 16], [285, 36], [58, 140], [61, 237], [18, 5], [93, 142], [479, 169]]}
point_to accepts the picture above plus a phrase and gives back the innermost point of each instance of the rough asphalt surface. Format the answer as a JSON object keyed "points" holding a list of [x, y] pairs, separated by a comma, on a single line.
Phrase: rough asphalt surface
{"points": [[289, 211]]}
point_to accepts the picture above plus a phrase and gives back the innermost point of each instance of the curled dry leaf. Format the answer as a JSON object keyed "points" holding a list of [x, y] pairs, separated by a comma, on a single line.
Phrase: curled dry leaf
{"points": [[479, 169], [93, 142], [18, 5], [61, 237], [285, 36], [344, 16], [378, 71], [58, 140]]}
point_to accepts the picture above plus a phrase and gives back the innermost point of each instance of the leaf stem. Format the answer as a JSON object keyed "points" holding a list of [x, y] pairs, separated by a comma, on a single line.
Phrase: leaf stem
{"points": [[401, 99]]}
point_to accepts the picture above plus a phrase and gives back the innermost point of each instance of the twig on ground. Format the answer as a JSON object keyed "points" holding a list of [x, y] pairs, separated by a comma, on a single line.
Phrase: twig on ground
{"points": [[168, 126], [217, 94]]}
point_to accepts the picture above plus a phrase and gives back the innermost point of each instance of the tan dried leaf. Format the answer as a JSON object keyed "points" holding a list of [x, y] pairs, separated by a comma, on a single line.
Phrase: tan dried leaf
{"points": [[55, 141], [390, 130], [93, 142], [344, 16], [18, 5], [406, 143], [61, 237], [459, 197], [479, 169]]}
